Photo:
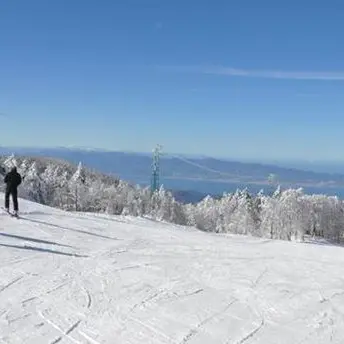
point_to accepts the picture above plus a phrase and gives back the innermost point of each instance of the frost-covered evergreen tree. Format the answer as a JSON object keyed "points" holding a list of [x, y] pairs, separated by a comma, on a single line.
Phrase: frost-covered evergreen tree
{"points": [[165, 208], [205, 214], [52, 185], [33, 185], [77, 189], [10, 162]]}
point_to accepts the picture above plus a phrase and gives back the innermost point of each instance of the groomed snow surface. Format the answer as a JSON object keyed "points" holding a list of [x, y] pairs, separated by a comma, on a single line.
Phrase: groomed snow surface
{"points": [[87, 278]]}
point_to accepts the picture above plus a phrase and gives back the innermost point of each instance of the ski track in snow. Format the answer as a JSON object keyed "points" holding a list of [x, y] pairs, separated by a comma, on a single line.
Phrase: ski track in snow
{"points": [[89, 278], [10, 283]]}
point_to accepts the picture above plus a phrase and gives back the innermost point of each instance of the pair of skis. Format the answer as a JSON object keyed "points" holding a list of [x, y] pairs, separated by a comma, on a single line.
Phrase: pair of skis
{"points": [[12, 214]]}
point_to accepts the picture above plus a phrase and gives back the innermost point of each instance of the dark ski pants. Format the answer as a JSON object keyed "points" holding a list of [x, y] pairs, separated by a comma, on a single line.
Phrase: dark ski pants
{"points": [[14, 195]]}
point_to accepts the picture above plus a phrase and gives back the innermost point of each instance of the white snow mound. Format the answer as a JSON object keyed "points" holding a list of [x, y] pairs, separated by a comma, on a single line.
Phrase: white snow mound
{"points": [[86, 278]]}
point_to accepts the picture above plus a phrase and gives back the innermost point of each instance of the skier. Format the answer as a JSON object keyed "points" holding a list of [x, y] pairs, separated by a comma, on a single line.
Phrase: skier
{"points": [[12, 179]]}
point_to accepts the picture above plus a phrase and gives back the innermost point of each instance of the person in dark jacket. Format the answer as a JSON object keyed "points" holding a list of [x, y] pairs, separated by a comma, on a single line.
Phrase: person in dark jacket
{"points": [[12, 179]]}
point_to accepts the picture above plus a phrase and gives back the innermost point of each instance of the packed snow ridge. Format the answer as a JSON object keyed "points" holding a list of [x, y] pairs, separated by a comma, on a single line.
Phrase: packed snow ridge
{"points": [[88, 278]]}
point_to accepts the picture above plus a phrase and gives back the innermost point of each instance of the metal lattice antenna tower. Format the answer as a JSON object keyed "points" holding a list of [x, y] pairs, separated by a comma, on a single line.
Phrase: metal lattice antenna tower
{"points": [[155, 182]]}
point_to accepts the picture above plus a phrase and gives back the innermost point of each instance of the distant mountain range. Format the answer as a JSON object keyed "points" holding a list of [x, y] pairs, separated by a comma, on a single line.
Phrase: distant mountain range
{"points": [[177, 170]]}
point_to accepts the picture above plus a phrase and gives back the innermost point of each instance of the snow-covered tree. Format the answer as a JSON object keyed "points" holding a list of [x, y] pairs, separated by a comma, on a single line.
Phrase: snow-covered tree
{"points": [[52, 182], [205, 214], [33, 184], [77, 189], [10, 162]]}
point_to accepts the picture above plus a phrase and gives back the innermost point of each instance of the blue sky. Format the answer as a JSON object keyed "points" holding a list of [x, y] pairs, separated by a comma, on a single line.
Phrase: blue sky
{"points": [[244, 79]]}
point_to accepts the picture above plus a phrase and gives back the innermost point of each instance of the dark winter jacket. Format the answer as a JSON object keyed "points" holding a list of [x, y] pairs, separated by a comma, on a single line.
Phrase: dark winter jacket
{"points": [[12, 179]]}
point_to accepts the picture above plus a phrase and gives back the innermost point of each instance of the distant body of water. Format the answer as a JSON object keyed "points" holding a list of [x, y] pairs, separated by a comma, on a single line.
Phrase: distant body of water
{"points": [[218, 188]]}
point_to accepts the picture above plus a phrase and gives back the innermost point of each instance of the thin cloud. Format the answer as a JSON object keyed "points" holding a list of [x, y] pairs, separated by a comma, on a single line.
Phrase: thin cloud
{"points": [[266, 74]]}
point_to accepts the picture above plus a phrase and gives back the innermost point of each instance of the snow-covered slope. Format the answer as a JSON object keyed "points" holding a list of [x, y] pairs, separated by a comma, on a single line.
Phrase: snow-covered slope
{"points": [[86, 278]]}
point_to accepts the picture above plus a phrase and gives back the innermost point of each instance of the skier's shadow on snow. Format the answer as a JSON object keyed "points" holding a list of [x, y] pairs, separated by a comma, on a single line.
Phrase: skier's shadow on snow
{"points": [[35, 212], [46, 250], [69, 229], [40, 241], [29, 213]]}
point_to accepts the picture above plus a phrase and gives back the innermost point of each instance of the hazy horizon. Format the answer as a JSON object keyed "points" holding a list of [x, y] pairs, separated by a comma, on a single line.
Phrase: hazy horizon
{"points": [[172, 154]]}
